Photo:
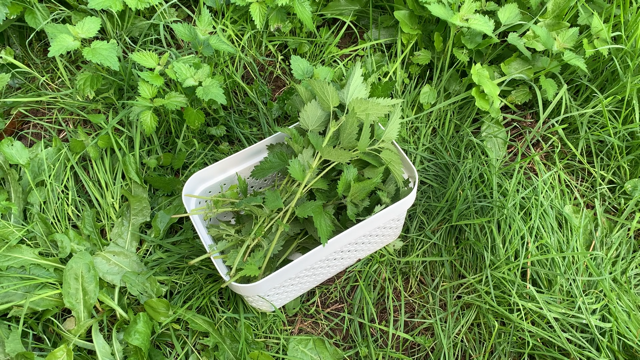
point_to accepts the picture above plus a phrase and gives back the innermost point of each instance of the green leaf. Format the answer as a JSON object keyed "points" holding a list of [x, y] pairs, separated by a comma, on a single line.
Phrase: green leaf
{"points": [[482, 23], [360, 190], [316, 140], [149, 121], [566, 39], [174, 101], [140, 4], [158, 309], [138, 333], [509, 14], [349, 132], [327, 94], [80, 286], [14, 151], [494, 136], [302, 9], [312, 348], [544, 36], [632, 187], [336, 154], [4, 80], [519, 95], [152, 78], [142, 285], [103, 53], [63, 352], [115, 5], [204, 21], [24, 256], [308, 208], [480, 76], [218, 43], [115, 261], [193, 117], [258, 11], [422, 57], [408, 21], [211, 89], [37, 16], [297, 170], [461, 54], [323, 222], [556, 9], [393, 162], [137, 212], [441, 11], [185, 32], [301, 68], [371, 109], [355, 87], [87, 83], [272, 200], [146, 58], [146, 90], [88, 27], [549, 87], [516, 41], [313, 117], [428, 96], [517, 66], [103, 350], [348, 176], [259, 355], [62, 44], [575, 60], [393, 127], [276, 161], [228, 349]]}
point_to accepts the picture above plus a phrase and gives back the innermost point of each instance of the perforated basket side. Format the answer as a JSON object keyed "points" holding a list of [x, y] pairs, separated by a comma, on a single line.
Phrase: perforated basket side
{"points": [[326, 267]]}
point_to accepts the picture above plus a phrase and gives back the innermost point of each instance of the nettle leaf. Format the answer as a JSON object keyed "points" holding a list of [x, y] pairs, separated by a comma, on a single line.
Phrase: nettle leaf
{"points": [[544, 36], [549, 87], [566, 39], [193, 117], [461, 54], [348, 176], [147, 90], [211, 89], [174, 101], [509, 14], [302, 9], [115, 5], [519, 95], [482, 23], [185, 32], [428, 95], [349, 132], [37, 15], [258, 11], [575, 60], [80, 286], [204, 21], [355, 87], [140, 4], [325, 92], [517, 66], [393, 127], [392, 160], [323, 222], [149, 121], [336, 154], [62, 44], [146, 58], [88, 27], [313, 117], [515, 40], [272, 200], [220, 44], [422, 57], [316, 140], [297, 170], [87, 83], [441, 11], [152, 78], [301, 68], [276, 161], [103, 53]]}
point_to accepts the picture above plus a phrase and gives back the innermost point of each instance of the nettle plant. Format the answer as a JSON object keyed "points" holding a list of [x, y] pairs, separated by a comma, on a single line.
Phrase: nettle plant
{"points": [[506, 51], [277, 11], [336, 168], [65, 38], [155, 94]]}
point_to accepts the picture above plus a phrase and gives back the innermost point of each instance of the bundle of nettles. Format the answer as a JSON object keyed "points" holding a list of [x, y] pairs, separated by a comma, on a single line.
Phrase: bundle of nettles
{"points": [[337, 167]]}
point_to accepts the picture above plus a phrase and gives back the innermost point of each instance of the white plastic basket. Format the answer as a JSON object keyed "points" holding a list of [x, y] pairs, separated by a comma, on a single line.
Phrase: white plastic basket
{"points": [[312, 268]]}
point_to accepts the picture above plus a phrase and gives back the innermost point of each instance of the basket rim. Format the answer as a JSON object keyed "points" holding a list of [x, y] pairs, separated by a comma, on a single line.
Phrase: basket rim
{"points": [[410, 171]]}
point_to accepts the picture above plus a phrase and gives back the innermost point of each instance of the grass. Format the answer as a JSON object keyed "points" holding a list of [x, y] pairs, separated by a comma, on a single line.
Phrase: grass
{"points": [[530, 254]]}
